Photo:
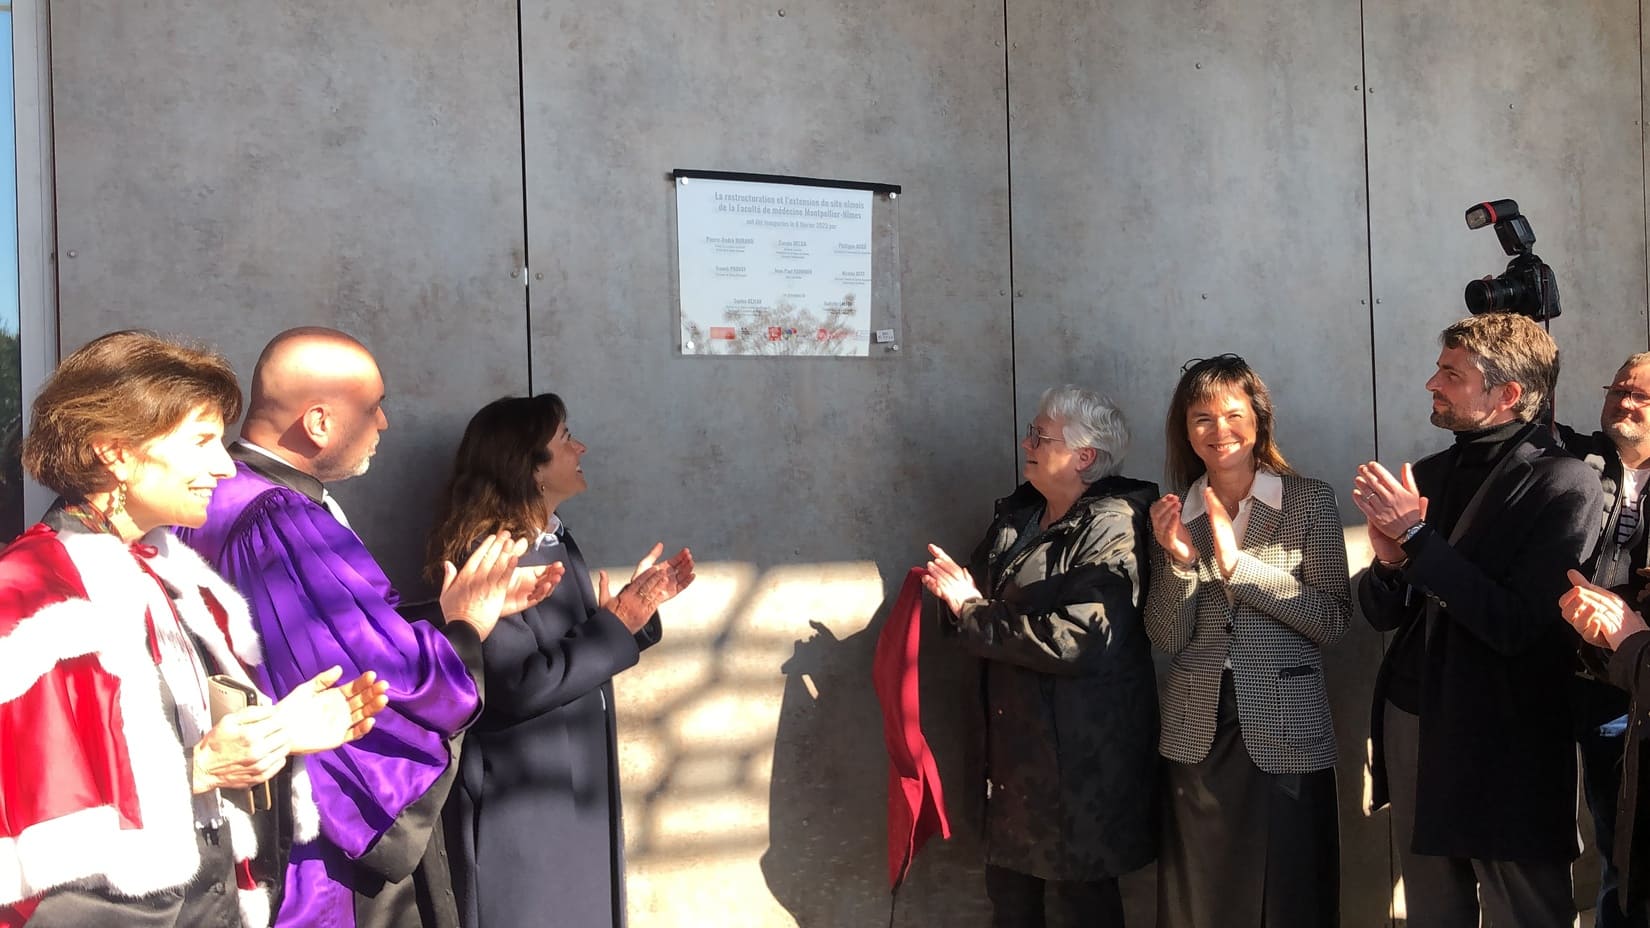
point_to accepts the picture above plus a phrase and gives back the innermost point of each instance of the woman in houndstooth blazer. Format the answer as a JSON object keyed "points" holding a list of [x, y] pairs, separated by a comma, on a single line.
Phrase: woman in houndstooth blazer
{"points": [[1249, 582]]}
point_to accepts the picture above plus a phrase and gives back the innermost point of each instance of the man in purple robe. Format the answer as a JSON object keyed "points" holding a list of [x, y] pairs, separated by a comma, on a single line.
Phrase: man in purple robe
{"points": [[319, 598]]}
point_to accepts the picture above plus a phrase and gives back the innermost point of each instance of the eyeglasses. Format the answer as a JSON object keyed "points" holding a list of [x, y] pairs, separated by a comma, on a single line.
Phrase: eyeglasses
{"points": [[1631, 398], [1227, 361], [1035, 438]]}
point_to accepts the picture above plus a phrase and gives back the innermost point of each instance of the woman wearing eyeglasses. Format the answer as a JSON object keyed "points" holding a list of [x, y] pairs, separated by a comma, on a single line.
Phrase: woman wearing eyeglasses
{"points": [[1051, 602], [1249, 582]]}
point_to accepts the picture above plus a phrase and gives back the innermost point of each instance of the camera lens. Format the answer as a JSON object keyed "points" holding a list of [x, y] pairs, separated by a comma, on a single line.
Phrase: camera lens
{"points": [[1500, 294]]}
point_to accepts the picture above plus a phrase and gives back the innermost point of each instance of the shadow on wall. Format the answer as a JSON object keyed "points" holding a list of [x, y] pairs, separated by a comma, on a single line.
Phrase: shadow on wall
{"points": [[753, 762], [827, 798], [827, 856]]}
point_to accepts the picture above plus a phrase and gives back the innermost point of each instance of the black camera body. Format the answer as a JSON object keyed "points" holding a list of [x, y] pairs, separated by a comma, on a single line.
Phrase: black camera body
{"points": [[1528, 286]]}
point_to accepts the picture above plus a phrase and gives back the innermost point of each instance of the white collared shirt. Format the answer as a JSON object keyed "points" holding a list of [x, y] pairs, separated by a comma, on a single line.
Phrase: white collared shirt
{"points": [[551, 536], [1267, 488]]}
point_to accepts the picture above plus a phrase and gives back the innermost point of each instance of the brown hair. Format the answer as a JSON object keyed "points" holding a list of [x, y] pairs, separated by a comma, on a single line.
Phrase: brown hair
{"points": [[1202, 380], [492, 485], [1509, 348], [127, 388]]}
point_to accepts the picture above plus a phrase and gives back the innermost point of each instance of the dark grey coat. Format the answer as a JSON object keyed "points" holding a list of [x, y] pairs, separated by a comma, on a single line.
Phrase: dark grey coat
{"points": [[1069, 696]]}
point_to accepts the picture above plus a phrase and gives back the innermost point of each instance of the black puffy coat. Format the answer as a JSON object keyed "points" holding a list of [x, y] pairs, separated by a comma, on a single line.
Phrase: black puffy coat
{"points": [[1067, 685]]}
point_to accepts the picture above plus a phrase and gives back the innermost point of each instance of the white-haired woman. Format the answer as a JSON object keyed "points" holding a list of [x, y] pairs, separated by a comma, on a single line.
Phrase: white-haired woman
{"points": [[1052, 602]]}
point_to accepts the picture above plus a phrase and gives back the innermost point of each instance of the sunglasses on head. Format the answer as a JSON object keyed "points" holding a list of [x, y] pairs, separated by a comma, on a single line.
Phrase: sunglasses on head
{"points": [[1224, 362]]}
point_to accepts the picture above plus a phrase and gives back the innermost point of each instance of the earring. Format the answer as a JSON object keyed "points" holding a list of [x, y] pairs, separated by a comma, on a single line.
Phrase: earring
{"points": [[117, 500]]}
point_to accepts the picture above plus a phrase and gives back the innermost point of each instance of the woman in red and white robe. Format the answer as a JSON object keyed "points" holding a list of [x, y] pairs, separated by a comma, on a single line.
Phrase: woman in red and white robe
{"points": [[113, 773]]}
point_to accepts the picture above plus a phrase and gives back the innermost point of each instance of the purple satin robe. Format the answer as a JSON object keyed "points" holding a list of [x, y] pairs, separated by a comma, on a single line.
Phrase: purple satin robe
{"points": [[318, 599]]}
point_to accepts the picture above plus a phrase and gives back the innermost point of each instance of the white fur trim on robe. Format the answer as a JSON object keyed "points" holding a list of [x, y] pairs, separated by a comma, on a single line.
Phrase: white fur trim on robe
{"points": [[91, 845]]}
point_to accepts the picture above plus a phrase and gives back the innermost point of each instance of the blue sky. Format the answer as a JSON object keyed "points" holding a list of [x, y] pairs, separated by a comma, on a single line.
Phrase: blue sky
{"points": [[8, 185]]}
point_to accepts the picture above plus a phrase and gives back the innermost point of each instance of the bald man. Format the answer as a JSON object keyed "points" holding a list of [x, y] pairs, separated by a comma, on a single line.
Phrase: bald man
{"points": [[318, 599]]}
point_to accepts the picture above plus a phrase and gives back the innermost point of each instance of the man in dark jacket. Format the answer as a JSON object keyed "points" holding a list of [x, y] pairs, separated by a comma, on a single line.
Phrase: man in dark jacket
{"points": [[1472, 745], [1620, 453], [1070, 700]]}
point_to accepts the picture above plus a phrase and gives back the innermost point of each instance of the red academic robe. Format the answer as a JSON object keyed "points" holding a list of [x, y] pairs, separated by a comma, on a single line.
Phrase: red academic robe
{"points": [[93, 781]]}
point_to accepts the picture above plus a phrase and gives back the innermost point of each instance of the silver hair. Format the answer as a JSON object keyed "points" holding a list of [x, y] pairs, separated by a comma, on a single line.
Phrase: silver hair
{"points": [[1090, 420]]}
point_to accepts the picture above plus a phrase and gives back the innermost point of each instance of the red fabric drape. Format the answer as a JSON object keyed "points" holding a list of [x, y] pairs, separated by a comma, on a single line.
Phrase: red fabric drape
{"points": [[916, 803]]}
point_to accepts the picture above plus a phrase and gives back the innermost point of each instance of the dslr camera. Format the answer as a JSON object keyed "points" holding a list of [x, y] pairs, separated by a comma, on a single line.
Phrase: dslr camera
{"points": [[1528, 286]]}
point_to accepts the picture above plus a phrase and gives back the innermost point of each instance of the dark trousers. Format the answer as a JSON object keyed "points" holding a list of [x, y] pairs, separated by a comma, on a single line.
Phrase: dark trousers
{"points": [[1019, 900], [1446, 892], [1243, 848]]}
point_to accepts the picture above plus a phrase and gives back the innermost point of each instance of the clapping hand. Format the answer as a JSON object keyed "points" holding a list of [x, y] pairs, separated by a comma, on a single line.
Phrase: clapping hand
{"points": [[318, 716], [1220, 527], [1601, 617], [651, 585], [530, 585], [477, 593], [949, 581], [1391, 505], [243, 749], [1171, 533]]}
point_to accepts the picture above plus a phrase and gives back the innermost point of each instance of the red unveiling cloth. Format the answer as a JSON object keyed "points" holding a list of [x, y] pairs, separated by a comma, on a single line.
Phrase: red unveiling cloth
{"points": [[916, 804]]}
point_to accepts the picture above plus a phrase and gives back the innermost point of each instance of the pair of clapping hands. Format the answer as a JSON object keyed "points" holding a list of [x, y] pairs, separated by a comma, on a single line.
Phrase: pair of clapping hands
{"points": [[1393, 505], [948, 580], [1602, 618], [952, 583], [489, 585], [1176, 541], [249, 746], [651, 584]]}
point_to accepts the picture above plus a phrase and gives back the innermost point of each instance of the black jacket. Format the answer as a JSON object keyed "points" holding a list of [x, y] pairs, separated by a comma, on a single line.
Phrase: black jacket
{"points": [[535, 824], [1496, 756], [1630, 670], [1068, 689]]}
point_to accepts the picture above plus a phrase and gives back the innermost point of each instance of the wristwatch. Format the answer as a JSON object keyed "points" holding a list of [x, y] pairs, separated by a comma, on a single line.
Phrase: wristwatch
{"points": [[1411, 532]]}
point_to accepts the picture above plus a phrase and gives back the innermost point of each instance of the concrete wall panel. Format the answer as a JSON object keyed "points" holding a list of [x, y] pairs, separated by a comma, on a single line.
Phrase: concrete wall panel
{"points": [[1188, 180], [1481, 100], [232, 170], [807, 486]]}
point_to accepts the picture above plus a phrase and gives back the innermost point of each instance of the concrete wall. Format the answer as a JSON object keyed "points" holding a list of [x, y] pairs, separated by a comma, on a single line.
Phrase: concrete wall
{"points": [[1469, 101], [1093, 193], [230, 170]]}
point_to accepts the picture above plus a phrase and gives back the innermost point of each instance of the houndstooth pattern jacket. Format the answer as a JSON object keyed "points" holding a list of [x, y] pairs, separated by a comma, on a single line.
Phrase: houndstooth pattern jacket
{"points": [[1290, 597]]}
